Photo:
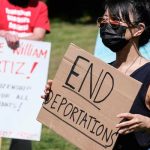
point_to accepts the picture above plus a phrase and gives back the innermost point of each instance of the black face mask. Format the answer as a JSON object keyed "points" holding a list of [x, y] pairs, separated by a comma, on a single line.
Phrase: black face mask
{"points": [[113, 36]]}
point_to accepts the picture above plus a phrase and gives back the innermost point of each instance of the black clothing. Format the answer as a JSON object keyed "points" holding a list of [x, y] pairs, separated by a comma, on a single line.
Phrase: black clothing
{"points": [[17, 144], [139, 140]]}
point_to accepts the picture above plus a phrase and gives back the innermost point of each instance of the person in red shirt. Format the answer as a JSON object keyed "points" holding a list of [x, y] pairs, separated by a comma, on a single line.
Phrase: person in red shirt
{"points": [[23, 19], [27, 19]]}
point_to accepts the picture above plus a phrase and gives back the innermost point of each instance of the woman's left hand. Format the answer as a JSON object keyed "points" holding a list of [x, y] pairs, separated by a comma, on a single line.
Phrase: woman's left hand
{"points": [[133, 122]]}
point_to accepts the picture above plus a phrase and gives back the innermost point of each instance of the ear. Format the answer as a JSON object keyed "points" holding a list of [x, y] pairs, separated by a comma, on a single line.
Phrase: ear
{"points": [[140, 29]]}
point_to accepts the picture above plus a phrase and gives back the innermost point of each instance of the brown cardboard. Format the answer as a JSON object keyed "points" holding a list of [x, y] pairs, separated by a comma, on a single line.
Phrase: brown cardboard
{"points": [[86, 96]]}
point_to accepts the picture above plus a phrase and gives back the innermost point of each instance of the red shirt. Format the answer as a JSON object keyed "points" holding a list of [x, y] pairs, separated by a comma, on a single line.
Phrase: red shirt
{"points": [[22, 21]]}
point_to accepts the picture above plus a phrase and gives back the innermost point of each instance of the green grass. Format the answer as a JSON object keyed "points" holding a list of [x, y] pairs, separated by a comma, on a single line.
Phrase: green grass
{"points": [[62, 34]]}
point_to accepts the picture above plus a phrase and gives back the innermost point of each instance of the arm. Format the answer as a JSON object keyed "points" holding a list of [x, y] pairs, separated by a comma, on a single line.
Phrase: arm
{"points": [[41, 25], [38, 34]]}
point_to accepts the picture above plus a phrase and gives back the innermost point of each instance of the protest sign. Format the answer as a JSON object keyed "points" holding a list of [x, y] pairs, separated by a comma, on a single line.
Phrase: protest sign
{"points": [[86, 96], [23, 75]]}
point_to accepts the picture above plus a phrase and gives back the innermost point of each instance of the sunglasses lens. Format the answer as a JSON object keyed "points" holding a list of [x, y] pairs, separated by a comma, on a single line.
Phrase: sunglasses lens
{"points": [[101, 22]]}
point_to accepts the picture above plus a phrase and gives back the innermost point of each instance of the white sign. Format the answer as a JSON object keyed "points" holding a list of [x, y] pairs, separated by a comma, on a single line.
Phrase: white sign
{"points": [[23, 75]]}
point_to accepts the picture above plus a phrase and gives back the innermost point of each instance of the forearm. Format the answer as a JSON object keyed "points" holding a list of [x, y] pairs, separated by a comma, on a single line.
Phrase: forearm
{"points": [[34, 37], [38, 35]]}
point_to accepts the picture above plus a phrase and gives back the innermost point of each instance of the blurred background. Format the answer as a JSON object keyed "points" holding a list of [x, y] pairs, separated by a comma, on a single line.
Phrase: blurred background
{"points": [[76, 10], [71, 21]]}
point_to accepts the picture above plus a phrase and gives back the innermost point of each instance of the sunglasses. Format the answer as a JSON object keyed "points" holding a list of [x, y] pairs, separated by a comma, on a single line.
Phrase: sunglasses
{"points": [[101, 21], [114, 23]]}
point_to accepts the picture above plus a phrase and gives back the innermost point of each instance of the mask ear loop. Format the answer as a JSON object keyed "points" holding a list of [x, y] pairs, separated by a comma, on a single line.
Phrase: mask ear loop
{"points": [[135, 46]]}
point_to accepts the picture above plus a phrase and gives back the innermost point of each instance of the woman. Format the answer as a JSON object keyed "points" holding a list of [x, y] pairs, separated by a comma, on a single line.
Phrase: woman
{"points": [[124, 27]]}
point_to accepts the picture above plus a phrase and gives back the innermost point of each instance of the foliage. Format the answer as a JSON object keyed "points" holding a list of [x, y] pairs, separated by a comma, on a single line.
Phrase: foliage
{"points": [[72, 11]]}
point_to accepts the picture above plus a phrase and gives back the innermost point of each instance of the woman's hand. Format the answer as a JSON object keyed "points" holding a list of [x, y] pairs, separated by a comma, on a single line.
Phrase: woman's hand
{"points": [[133, 122], [47, 90]]}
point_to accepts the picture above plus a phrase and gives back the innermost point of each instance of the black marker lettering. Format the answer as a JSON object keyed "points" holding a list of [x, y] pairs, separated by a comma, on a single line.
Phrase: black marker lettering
{"points": [[84, 120], [63, 102], [111, 88], [75, 110], [66, 113], [72, 72], [91, 117], [52, 105], [106, 135], [90, 72], [99, 130], [81, 111], [96, 121]]}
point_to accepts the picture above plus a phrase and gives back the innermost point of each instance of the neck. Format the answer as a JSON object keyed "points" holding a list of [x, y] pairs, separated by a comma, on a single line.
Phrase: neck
{"points": [[127, 55]]}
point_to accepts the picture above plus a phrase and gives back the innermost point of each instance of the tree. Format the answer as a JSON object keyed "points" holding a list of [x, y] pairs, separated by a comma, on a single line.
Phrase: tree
{"points": [[71, 10]]}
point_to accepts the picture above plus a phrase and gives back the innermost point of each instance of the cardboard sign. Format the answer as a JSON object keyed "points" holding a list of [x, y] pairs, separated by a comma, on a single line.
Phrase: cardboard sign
{"points": [[23, 75], [86, 96]]}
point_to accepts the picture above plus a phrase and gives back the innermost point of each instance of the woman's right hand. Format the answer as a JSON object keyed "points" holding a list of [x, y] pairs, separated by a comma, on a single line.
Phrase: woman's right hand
{"points": [[134, 122], [47, 90]]}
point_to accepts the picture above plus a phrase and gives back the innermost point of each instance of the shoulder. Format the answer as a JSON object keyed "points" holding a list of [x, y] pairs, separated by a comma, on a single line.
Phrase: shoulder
{"points": [[146, 71], [144, 63], [42, 5], [147, 64], [4, 2], [145, 60]]}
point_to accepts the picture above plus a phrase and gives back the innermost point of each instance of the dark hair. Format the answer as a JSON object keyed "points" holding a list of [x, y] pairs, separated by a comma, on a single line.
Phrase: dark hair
{"points": [[140, 10]]}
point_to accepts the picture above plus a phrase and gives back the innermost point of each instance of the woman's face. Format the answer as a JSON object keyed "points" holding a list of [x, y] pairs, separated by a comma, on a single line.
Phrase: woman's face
{"points": [[116, 33], [130, 31]]}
